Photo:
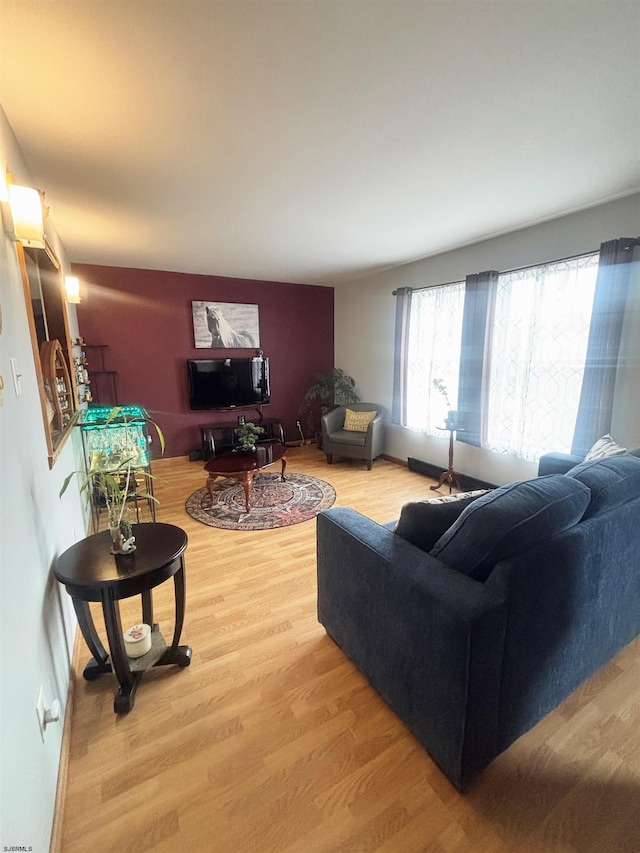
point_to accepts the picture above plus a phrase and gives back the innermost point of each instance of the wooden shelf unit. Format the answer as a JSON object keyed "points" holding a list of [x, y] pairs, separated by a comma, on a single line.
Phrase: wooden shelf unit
{"points": [[104, 382], [56, 374]]}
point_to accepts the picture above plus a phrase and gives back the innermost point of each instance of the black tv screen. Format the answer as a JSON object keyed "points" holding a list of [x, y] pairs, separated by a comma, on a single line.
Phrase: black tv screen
{"points": [[227, 383]]}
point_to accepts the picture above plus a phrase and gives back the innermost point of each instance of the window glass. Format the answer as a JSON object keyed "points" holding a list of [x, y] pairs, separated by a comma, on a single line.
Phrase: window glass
{"points": [[434, 354], [538, 347]]}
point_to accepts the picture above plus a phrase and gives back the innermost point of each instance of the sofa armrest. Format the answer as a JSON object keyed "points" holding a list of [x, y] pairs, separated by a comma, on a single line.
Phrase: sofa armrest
{"points": [[375, 435], [429, 639], [332, 420], [557, 463]]}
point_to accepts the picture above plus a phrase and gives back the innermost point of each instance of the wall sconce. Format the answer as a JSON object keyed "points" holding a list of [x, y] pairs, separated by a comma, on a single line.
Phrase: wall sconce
{"points": [[26, 211], [72, 286]]}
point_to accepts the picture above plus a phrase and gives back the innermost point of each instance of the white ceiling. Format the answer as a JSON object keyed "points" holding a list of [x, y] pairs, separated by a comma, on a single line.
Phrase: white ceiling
{"points": [[317, 140]]}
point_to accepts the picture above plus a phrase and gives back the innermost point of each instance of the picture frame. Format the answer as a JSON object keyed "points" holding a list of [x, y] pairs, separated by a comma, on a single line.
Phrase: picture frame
{"points": [[225, 325]]}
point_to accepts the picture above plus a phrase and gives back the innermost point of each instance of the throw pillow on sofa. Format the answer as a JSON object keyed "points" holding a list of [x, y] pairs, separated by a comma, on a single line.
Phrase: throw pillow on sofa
{"points": [[423, 522], [604, 447], [510, 520], [611, 481]]}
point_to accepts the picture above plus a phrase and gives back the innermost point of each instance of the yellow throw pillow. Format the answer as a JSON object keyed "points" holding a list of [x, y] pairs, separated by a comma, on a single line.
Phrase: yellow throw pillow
{"points": [[358, 421]]}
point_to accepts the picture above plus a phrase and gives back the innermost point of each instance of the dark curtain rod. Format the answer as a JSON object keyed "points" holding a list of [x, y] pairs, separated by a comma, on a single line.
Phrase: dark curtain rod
{"points": [[515, 269]]}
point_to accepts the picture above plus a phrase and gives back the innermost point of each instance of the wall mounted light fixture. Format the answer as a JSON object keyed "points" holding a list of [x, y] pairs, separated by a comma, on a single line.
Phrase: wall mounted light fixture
{"points": [[26, 211], [72, 286]]}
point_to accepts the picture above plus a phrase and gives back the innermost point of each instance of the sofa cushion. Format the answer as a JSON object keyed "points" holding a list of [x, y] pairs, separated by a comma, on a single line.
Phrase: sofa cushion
{"points": [[612, 481], [604, 447], [357, 421], [510, 520], [423, 522]]}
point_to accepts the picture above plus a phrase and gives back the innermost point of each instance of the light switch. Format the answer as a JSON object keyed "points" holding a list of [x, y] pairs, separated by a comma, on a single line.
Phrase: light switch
{"points": [[17, 376]]}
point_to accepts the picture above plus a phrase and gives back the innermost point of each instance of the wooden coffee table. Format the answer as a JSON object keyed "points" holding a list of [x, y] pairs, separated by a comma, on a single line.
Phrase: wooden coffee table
{"points": [[244, 466]]}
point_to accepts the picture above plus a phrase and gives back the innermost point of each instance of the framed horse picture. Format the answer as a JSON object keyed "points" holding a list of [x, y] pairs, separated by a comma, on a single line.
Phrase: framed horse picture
{"points": [[225, 325]]}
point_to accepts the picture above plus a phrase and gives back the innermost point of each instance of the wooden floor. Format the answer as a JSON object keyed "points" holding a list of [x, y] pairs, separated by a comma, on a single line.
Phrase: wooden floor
{"points": [[272, 741]]}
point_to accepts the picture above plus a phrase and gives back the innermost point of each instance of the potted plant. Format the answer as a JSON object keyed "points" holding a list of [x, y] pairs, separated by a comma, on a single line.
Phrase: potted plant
{"points": [[331, 389], [248, 434], [111, 481], [334, 388], [451, 421]]}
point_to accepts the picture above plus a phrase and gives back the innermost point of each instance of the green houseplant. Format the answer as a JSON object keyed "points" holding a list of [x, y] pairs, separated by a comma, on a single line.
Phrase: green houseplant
{"points": [[451, 421], [334, 388], [112, 480], [248, 434]]}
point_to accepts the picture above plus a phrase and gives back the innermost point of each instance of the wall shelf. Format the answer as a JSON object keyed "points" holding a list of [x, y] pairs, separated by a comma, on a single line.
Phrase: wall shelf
{"points": [[58, 387], [104, 382]]}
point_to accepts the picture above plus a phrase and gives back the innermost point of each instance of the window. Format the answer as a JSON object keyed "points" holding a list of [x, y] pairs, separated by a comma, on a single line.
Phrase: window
{"points": [[435, 330], [534, 341], [538, 347]]}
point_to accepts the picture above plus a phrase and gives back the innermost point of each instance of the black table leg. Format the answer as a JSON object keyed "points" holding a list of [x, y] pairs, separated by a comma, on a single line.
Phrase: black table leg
{"points": [[127, 680], [99, 663], [147, 608], [180, 655]]}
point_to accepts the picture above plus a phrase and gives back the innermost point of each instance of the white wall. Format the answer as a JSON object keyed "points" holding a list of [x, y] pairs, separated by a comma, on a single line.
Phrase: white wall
{"points": [[365, 319], [37, 623]]}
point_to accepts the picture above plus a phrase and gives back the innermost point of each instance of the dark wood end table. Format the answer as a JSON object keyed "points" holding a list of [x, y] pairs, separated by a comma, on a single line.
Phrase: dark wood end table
{"points": [[449, 476], [90, 572], [243, 466]]}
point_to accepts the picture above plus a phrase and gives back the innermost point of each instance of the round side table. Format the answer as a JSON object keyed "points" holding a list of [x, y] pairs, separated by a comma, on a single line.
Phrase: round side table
{"points": [[89, 572]]}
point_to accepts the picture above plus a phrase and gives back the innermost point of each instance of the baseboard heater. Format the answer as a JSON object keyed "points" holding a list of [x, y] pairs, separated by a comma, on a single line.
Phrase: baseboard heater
{"points": [[428, 469]]}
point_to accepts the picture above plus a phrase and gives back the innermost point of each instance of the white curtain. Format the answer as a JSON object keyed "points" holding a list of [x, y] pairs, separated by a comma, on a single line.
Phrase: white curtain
{"points": [[538, 351], [433, 353]]}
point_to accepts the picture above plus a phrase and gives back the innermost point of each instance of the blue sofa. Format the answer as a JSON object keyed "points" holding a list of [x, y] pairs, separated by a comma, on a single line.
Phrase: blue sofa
{"points": [[560, 463], [474, 621]]}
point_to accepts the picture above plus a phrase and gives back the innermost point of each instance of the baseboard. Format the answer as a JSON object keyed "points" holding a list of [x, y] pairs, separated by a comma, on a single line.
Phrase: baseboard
{"points": [[55, 845], [394, 459], [432, 471]]}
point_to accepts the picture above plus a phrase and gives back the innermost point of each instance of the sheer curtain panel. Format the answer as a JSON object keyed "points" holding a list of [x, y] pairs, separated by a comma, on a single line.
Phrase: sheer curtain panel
{"points": [[435, 332], [538, 350]]}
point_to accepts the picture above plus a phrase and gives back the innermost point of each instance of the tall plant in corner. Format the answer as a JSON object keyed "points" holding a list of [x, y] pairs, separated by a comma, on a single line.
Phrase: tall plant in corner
{"points": [[112, 480], [334, 388], [331, 389]]}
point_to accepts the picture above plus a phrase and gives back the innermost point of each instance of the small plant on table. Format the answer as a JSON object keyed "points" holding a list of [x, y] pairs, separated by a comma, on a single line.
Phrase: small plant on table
{"points": [[248, 434]]}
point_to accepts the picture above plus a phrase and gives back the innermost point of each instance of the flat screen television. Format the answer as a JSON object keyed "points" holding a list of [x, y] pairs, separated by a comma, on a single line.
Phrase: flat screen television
{"points": [[228, 383]]}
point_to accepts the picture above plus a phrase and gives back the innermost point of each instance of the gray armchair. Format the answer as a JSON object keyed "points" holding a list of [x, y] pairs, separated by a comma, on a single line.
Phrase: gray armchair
{"points": [[354, 445]]}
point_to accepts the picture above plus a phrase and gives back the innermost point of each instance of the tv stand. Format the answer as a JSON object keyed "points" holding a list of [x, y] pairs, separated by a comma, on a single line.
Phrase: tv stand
{"points": [[219, 437]]}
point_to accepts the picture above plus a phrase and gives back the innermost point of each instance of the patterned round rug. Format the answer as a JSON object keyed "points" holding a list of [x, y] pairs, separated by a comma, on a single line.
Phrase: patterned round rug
{"points": [[274, 503]]}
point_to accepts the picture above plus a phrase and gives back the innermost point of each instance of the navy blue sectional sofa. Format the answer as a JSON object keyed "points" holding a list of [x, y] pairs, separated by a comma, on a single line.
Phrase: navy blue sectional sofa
{"points": [[472, 628]]}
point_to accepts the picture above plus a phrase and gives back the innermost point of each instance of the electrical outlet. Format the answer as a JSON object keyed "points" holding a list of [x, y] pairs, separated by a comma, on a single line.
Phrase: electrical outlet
{"points": [[40, 712], [47, 715]]}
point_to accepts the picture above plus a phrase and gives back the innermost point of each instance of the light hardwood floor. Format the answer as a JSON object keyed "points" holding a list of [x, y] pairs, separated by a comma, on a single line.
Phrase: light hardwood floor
{"points": [[272, 741]]}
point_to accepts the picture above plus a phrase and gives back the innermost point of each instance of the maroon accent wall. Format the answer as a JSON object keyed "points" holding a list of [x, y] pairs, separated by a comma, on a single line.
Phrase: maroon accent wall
{"points": [[144, 316]]}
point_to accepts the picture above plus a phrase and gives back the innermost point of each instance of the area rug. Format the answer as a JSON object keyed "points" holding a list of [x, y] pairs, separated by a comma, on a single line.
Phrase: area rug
{"points": [[274, 503]]}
